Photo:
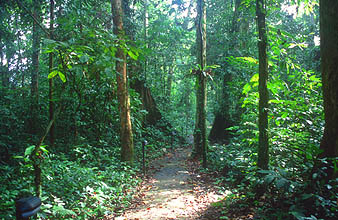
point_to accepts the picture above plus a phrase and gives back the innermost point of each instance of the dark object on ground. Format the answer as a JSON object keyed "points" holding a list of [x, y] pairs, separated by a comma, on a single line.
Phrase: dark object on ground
{"points": [[27, 207]]}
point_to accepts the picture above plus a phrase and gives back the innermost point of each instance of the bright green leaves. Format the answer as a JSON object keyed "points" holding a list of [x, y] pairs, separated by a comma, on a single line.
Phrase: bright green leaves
{"points": [[29, 150], [62, 77], [255, 78], [57, 72], [133, 55], [243, 60], [246, 88]]}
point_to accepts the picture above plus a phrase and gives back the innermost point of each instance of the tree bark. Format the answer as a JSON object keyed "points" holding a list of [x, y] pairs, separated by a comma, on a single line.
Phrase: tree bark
{"points": [[329, 68], [169, 83], [263, 143], [51, 102], [127, 151], [200, 140], [35, 69]]}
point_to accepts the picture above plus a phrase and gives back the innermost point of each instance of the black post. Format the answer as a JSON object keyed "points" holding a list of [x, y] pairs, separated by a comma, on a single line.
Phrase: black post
{"points": [[27, 207], [143, 157]]}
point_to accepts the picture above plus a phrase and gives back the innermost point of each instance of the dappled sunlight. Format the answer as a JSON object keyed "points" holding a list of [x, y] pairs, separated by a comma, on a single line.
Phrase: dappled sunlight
{"points": [[172, 193]]}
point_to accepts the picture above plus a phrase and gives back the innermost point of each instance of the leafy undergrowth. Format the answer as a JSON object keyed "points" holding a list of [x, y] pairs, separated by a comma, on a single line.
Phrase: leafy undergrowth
{"points": [[79, 189], [283, 195], [86, 182]]}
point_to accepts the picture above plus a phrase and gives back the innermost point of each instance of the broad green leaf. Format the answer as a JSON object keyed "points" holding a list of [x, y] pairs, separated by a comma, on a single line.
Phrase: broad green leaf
{"points": [[250, 60], [277, 122], [275, 101], [264, 171], [284, 115], [132, 55], [62, 77], [213, 66], [255, 78], [43, 148], [49, 41], [53, 73], [64, 44], [29, 150], [314, 78]]}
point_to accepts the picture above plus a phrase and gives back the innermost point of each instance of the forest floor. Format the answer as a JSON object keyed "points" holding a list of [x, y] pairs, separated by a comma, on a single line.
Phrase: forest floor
{"points": [[175, 190]]}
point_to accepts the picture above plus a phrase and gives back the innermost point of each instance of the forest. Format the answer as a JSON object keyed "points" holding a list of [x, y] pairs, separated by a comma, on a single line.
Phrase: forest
{"points": [[232, 104]]}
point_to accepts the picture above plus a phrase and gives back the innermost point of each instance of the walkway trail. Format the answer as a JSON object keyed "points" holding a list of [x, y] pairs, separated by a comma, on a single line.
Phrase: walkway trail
{"points": [[172, 193]]}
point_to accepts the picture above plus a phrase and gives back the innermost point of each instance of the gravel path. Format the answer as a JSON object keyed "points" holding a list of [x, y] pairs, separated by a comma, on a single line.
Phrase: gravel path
{"points": [[171, 193]]}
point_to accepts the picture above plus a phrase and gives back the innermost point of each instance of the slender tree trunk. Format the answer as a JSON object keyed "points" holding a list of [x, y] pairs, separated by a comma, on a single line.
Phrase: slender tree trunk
{"points": [[35, 69], [169, 82], [51, 102], [329, 68], [263, 144], [145, 26], [127, 151], [200, 140], [3, 72]]}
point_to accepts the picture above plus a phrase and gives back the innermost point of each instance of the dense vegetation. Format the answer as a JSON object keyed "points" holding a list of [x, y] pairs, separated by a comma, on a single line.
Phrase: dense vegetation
{"points": [[66, 109]]}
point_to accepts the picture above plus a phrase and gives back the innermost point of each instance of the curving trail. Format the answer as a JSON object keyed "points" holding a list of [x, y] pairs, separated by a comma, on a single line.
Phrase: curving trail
{"points": [[172, 192]]}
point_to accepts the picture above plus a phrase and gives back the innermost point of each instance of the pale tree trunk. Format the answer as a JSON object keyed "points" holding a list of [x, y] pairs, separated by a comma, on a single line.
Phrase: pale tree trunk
{"points": [[4, 73], [127, 151], [51, 102], [329, 68], [35, 69], [263, 143], [200, 140]]}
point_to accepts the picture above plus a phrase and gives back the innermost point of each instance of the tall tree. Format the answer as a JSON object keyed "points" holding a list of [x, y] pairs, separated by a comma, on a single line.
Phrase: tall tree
{"points": [[329, 68], [200, 139], [51, 103], [224, 116], [127, 151], [263, 143], [35, 67]]}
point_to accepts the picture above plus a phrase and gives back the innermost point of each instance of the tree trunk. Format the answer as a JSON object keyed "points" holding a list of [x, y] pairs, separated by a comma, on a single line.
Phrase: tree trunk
{"points": [[127, 151], [51, 102], [200, 140], [169, 82], [329, 68], [263, 143], [4, 72], [223, 118], [35, 69]]}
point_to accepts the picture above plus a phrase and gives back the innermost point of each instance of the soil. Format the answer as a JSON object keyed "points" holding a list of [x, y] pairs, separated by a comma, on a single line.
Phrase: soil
{"points": [[174, 191]]}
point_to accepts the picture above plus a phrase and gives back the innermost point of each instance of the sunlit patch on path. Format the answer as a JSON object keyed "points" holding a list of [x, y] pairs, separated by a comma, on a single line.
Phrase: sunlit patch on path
{"points": [[172, 194]]}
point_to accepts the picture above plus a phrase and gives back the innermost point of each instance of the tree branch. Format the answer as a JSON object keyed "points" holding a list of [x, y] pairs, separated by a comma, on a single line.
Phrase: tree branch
{"points": [[32, 16]]}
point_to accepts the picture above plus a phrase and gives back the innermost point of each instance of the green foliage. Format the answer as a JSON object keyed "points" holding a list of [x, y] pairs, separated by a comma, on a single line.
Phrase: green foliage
{"points": [[82, 175], [81, 187], [295, 187]]}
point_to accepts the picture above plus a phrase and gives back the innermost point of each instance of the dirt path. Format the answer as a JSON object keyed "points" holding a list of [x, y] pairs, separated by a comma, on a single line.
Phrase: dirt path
{"points": [[171, 193]]}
